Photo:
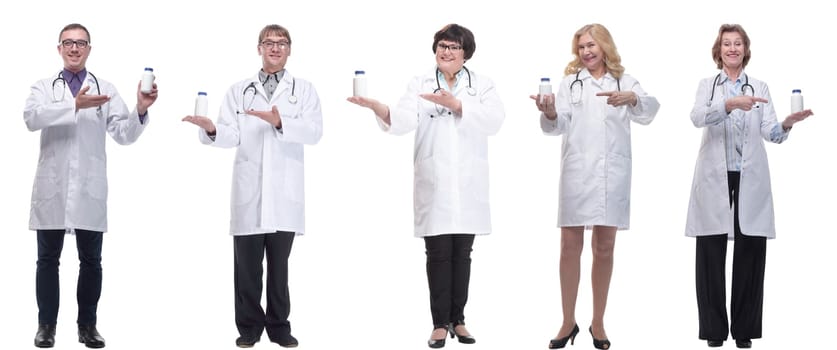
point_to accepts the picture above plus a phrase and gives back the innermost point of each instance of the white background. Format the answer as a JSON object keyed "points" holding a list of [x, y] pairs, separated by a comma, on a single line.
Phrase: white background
{"points": [[357, 276]]}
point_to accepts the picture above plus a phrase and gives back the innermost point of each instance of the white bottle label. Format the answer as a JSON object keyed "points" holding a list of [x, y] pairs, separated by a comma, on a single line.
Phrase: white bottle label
{"points": [[359, 87], [796, 103], [147, 82], [545, 89], [201, 106]]}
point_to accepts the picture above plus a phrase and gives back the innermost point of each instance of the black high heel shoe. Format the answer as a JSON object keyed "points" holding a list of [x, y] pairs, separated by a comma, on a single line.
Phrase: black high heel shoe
{"points": [[437, 343], [559, 343], [464, 339], [599, 344]]}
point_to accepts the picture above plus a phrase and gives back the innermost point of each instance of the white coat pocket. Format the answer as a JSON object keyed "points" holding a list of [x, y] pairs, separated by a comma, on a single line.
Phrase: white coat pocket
{"points": [[294, 186], [425, 186], [245, 182]]}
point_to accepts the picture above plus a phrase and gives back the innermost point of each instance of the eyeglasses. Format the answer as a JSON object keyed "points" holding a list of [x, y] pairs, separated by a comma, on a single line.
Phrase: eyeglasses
{"points": [[267, 44], [68, 43], [452, 48]]}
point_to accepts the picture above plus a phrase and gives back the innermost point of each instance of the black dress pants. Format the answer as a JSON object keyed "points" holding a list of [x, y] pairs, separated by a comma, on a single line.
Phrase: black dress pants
{"points": [[89, 286], [448, 276], [250, 251], [748, 263]]}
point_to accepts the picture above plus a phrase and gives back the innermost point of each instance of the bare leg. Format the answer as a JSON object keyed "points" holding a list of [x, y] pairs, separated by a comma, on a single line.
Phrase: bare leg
{"points": [[604, 239], [572, 241]]}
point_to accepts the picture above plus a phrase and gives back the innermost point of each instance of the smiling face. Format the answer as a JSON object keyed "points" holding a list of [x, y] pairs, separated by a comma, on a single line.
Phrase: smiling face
{"points": [[274, 49], [450, 56], [732, 50], [74, 47], [590, 53]]}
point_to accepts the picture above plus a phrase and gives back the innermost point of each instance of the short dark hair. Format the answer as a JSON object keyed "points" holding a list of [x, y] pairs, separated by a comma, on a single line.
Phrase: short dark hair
{"points": [[459, 34], [72, 26]]}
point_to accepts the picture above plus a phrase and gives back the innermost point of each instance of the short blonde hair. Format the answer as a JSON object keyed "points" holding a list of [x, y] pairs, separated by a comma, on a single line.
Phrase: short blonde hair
{"points": [[274, 29]]}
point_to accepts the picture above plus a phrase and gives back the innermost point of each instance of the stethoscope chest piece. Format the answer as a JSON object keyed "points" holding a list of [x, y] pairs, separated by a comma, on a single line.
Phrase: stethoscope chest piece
{"points": [[292, 99]]}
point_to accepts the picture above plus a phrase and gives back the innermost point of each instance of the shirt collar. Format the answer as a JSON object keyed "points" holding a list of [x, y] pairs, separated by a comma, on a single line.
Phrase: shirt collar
{"points": [[440, 77], [725, 78], [71, 77], [263, 76]]}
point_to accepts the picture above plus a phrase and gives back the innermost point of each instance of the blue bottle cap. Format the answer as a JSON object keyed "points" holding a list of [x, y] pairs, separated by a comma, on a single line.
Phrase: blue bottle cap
{"points": [[201, 93], [797, 90], [544, 79], [149, 69], [360, 72]]}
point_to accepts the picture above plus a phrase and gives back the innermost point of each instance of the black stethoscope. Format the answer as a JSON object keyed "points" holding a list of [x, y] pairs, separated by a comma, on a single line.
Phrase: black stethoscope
{"points": [[63, 81], [252, 86], [64, 85], [576, 98], [470, 89], [744, 88]]}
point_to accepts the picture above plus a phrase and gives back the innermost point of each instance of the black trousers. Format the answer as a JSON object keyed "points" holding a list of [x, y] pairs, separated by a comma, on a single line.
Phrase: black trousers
{"points": [[249, 253], [448, 276], [89, 286], [748, 262]]}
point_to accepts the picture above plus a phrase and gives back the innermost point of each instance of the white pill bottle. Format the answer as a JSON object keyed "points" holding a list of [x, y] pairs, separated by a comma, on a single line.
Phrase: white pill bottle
{"points": [[201, 105], [544, 89], [796, 101], [147, 80], [359, 86]]}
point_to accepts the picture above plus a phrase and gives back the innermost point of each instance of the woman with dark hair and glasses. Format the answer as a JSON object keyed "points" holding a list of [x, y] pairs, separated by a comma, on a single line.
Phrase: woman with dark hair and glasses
{"points": [[736, 114], [452, 110], [593, 110]]}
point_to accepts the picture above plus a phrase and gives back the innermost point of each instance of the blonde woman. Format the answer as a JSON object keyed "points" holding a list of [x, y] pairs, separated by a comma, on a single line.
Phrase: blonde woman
{"points": [[593, 110]]}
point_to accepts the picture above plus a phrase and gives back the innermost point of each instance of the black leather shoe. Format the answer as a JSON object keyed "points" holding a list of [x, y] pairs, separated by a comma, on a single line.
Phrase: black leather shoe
{"points": [[743, 343], [45, 338], [91, 338], [464, 339], [246, 341], [715, 343], [560, 343], [437, 343], [287, 341], [602, 344]]}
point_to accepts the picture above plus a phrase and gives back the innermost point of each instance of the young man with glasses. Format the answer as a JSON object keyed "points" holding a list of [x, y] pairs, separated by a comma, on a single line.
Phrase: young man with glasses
{"points": [[268, 118], [73, 110]]}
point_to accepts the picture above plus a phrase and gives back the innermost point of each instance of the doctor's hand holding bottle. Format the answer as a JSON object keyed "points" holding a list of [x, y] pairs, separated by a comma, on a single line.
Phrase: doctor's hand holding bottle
{"points": [[596, 101], [734, 112], [203, 122], [381, 110], [447, 105]]}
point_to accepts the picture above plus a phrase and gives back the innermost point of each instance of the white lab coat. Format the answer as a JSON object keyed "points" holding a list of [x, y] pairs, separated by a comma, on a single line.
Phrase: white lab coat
{"points": [[268, 187], [71, 188], [595, 184], [451, 154], [709, 210]]}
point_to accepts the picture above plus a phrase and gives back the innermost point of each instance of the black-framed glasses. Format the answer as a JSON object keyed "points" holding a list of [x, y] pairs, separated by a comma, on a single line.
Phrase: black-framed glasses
{"points": [[267, 44], [452, 48], [68, 43]]}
